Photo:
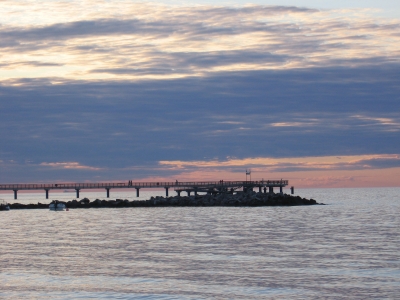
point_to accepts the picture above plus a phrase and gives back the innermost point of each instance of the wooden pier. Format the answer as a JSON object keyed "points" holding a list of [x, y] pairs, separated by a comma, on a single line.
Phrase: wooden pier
{"points": [[213, 187]]}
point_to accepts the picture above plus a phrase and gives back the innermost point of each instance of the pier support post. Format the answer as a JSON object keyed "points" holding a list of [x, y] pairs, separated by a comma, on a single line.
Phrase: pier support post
{"points": [[281, 189], [166, 192], [265, 190], [77, 193], [271, 189], [195, 192], [259, 189], [47, 193], [179, 193], [292, 190], [108, 192], [188, 193], [15, 194], [137, 192]]}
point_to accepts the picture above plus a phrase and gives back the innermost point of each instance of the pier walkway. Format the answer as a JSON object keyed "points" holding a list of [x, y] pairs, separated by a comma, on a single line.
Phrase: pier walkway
{"points": [[213, 187]]}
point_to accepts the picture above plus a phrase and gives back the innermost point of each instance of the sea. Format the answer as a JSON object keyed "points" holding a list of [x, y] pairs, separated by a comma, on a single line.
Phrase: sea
{"points": [[346, 249]]}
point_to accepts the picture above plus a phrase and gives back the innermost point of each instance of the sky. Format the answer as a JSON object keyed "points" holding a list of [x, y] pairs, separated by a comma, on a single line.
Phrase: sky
{"points": [[100, 91]]}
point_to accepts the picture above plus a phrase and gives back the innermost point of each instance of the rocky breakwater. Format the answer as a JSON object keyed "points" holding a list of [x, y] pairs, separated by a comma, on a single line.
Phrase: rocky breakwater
{"points": [[28, 206], [237, 199]]}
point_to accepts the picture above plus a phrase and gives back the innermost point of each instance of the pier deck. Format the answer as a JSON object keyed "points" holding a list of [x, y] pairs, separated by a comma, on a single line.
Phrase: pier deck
{"points": [[199, 186]]}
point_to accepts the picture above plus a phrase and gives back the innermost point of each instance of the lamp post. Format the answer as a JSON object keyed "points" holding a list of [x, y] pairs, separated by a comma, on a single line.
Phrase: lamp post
{"points": [[248, 172]]}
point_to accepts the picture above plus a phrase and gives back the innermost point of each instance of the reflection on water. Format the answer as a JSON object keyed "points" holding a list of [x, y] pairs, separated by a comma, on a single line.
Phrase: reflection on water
{"points": [[347, 249]]}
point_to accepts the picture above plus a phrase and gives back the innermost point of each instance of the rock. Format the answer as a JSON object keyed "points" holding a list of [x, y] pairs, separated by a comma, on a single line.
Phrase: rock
{"points": [[96, 203], [84, 201]]}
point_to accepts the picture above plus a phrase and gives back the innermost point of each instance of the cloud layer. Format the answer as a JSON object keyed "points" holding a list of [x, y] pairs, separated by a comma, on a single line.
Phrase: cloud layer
{"points": [[101, 90], [124, 40], [294, 164]]}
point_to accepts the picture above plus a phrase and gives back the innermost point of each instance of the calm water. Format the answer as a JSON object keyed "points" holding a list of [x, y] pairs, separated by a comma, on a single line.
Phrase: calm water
{"points": [[348, 249]]}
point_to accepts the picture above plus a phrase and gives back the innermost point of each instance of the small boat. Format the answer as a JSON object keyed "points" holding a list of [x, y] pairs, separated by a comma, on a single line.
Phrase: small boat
{"points": [[57, 206], [4, 205]]}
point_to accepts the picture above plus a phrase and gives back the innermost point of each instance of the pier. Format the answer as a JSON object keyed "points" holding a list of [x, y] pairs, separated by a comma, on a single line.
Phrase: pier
{"points": [[209, 187]]}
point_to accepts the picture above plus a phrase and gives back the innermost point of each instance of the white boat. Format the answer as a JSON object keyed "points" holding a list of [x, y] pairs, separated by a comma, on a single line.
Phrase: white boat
{"points": [[4, 205], [57, 206]]}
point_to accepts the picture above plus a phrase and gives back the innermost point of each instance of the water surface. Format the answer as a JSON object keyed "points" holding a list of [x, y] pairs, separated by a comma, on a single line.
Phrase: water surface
{"points": [[347, 249]]}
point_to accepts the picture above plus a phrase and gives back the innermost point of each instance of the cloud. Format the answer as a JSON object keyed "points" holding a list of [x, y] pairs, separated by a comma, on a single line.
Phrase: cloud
{"points": [[379, 123], [184, 63], [168, 42], [69, 165], [92, 28], [292, 124], [324, 181], [30, 63], [229, 114], [269, 164]]}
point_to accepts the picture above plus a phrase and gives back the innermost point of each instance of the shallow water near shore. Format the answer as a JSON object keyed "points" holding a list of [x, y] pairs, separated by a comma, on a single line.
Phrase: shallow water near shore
{"points": [[346, 249]]}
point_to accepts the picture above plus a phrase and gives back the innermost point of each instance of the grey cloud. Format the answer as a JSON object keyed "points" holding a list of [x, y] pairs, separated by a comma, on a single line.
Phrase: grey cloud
{"points": [[227, 57], [265, 10], [379, 163], [179, 62], [374, 163], [354, 37], [191, 23], [139, 71], [74, 29], [42, 64], [97, 27], [31, 63]]}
